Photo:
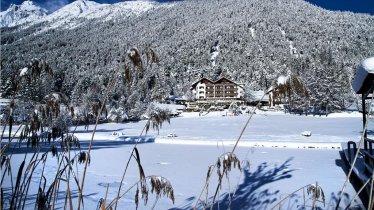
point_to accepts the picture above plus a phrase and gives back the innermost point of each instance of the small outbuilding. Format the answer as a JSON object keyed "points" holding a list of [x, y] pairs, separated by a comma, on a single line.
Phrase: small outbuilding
{"points": [[361, 160]]}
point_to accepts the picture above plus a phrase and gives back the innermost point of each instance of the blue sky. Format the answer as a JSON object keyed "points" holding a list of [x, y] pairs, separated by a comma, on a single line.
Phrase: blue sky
{"points": [[358, 6]]}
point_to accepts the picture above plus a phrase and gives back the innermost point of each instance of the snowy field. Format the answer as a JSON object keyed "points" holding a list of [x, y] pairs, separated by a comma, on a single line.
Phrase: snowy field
{"points": [[281, 159]]}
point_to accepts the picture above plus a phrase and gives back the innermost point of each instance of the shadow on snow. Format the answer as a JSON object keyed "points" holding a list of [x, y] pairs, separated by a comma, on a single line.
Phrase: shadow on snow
{"points": [[252, 192], [21, 148]]}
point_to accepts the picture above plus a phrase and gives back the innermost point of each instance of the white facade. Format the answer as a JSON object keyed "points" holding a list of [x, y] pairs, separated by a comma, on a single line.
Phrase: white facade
{"points": [[240, 91], [200, 91]]}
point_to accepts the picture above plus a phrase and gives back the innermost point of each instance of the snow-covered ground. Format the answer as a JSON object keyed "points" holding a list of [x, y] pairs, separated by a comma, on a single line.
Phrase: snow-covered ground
{"points": [[281, 159]]}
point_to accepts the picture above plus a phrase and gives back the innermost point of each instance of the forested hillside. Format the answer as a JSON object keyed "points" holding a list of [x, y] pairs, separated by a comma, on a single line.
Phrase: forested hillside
{"points": [[249, 41]]}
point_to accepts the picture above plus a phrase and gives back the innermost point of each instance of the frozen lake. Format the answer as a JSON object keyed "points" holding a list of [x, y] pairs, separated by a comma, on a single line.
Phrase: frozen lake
{"points": [[184, 160]]}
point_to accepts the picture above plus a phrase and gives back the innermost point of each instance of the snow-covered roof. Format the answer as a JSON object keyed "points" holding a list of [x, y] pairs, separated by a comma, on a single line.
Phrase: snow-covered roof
{"points": [[23, 72], [258, 95], [177, 98], [282, 80], [364, 79], [171, 107], [214, 82]]}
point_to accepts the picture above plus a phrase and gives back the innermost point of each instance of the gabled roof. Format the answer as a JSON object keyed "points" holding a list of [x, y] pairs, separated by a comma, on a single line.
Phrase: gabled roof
{"points": [[214, 82], [195, 83]]}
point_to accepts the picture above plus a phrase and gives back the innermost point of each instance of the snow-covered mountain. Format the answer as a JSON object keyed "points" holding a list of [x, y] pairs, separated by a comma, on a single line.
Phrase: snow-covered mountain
{"points": [[27, 12], [248, 41], [67, 16], [75, 9], [70, 16]]}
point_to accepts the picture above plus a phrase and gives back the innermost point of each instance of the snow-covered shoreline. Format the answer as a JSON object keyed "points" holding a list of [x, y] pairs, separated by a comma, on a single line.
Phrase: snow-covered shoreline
{"points": [[268, 144]]}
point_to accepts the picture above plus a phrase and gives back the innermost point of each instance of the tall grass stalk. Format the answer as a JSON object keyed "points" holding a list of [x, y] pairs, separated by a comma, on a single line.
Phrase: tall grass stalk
{"points": [[68, 193], [371, 200], [316, 190], [109, 88], [232, 152], [6, 146], [159, 184], [157, 120], [127, 165]]}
